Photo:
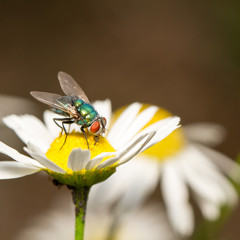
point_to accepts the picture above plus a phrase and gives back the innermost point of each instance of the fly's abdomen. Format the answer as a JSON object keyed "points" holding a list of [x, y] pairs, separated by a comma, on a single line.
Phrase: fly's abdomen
{"points": [[88, 114]]}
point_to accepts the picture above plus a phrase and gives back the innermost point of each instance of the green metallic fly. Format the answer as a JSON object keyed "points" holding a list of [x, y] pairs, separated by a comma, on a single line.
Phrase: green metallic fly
{"points": [[75, 107]]}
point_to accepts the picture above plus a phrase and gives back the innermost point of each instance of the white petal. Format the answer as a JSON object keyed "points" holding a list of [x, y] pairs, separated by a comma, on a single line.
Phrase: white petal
{"points": [[78, 159], [210, 134], [48, 163], [211, 176], [123, 181], [230, 191], [123, 122], [9, 170], [163, 128], [132, 144], [196, 173], [105, 193], [134, 147], [51, 125], [14, 154], [97, 160], [108, 162], [29, 128], [210, 210], [36, 153], [111, 190], [226, 164], [93, 163], [104, 108], [215, 175], [104, 154], [175, 194], [137, 148], [144, 179], [34, 148], [136, 125], [131, 150]]}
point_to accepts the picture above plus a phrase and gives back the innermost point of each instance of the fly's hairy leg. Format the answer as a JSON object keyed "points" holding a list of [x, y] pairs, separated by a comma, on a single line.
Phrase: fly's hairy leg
{"points": [[61, 120], [64, 121]]}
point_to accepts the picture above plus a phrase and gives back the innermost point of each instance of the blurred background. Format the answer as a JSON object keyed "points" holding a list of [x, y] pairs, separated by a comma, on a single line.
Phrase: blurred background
{"points": [[181, 55]]}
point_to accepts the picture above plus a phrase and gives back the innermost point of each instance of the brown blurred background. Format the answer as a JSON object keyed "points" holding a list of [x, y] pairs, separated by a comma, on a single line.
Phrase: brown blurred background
{"points": [[181, 55]]}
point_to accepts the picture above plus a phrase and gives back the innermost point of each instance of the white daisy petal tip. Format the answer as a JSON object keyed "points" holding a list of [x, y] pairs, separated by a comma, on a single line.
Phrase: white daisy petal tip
{"points": [[210, 134], [176, 121], [11, 170], [162, 128], [26, 126], [6, 118]]}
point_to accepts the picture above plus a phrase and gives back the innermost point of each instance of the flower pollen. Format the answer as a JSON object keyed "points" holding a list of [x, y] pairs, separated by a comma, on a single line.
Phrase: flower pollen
{"points": [[60, 151]]}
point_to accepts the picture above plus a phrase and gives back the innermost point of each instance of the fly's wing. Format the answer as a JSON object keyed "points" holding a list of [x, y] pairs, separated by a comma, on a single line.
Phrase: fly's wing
{"points": [[62, 103], [70, 87]]}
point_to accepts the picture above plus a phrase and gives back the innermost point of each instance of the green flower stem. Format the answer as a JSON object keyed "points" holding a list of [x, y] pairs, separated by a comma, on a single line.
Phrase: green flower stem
{"points": [[80, 197]]}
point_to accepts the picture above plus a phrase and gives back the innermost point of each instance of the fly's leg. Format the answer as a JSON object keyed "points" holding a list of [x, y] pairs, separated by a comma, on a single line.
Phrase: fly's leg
{"points": [[64, 121], [85, 135], [64, 129], [68, 121], [61, 120], [96, 139]]}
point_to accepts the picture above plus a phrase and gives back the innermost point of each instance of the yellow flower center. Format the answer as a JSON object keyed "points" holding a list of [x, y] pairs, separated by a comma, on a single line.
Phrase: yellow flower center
{"points": [[60, 151], [170, 145]]}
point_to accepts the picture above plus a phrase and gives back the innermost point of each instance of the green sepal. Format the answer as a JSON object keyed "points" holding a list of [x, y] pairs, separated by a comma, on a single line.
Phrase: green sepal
{"points": [[83, 179]]}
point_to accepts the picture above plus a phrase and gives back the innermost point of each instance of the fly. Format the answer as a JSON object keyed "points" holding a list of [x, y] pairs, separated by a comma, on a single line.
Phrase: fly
{"points": [[75, 107]]}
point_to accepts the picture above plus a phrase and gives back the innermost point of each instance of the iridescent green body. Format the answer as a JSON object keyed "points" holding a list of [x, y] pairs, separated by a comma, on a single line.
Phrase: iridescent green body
{"points": [[86, 111]]}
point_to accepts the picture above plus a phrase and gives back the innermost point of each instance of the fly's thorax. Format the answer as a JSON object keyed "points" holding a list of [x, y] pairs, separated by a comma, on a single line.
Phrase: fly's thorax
{"points": [[87, 114]]}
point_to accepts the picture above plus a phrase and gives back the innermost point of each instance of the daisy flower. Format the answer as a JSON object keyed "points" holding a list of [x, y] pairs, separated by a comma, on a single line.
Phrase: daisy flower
{"points": [[178, 163], [76, 163], [74, 159]]}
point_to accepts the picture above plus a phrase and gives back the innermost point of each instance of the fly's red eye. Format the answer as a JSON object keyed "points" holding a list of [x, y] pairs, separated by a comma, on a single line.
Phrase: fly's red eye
{"points": [[95, 127]]}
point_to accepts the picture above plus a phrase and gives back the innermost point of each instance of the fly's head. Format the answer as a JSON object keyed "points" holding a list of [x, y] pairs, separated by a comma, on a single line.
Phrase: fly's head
{"points": [[98, 126]]}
